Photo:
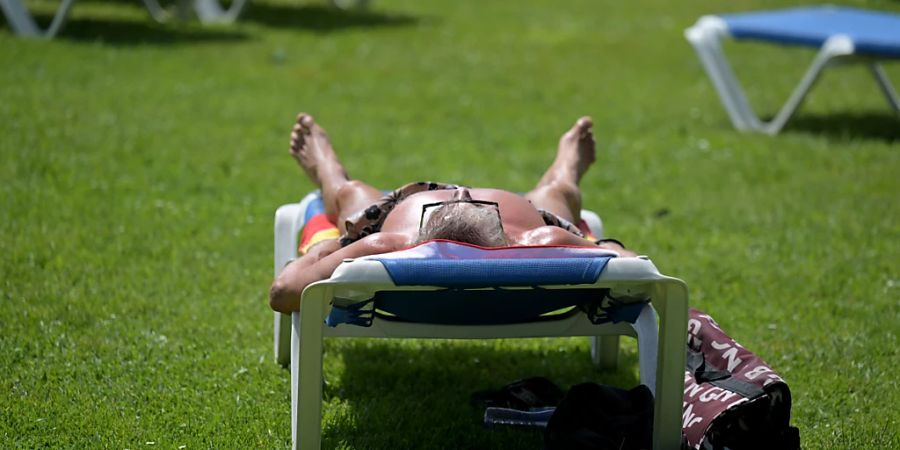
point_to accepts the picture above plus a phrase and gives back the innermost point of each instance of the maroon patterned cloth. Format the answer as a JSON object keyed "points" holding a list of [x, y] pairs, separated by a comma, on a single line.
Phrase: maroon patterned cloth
{"points": [[731, 397]]}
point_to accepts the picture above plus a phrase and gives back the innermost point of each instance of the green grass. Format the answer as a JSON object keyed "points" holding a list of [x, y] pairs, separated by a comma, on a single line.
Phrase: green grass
{"points": [[141, 165]]}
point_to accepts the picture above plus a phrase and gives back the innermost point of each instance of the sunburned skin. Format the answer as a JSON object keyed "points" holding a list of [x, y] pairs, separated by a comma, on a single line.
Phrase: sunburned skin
{"points": [[517, 214], [557, 192]]}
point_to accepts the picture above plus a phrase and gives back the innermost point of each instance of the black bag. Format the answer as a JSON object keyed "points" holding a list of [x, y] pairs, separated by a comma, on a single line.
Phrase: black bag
{"points": [[597, 417]]}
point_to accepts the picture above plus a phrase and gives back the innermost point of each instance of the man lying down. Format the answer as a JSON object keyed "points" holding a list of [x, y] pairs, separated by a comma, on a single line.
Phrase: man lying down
{"points": [[371, 223]]}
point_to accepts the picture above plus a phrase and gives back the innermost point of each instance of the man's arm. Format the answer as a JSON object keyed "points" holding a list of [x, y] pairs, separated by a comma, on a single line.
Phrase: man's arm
{"points": [[284, 296]]}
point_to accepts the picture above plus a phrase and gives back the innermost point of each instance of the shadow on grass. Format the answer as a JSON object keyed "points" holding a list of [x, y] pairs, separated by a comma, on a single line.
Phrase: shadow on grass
{"points": [[393, 396], [129, 32], [320, 19], [869, 125]]}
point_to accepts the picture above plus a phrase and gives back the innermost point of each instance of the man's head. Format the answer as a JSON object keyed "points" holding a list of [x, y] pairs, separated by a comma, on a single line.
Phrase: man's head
{"points": [[464, 220]]}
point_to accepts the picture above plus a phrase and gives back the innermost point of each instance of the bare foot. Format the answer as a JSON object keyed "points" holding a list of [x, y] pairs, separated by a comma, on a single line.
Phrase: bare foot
{"points": [[574, 155], [576, 150], [312, 149]]}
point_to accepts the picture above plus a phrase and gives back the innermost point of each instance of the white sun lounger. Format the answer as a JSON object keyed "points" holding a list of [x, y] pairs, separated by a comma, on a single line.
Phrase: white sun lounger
{"points": [[840, 34], [208, 11], [23, 24], [443, 290]]}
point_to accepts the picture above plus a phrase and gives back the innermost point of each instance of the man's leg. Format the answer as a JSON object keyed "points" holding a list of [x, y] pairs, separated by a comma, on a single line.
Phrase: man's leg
{"points": [[312, 150], [558, 191]]}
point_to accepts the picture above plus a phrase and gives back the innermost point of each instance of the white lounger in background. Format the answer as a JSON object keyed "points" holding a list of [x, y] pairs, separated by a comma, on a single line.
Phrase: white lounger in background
{"points": [[841, 35], [208, 11], [435, 274]]}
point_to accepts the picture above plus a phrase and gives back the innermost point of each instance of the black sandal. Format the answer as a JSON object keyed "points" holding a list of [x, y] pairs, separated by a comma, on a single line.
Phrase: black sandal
{"points": [[535, 392]]}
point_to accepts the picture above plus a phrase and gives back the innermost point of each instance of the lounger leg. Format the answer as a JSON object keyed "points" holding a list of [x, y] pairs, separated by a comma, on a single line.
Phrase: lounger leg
{"points": [[647, 331], [670, 301], [706, 37], [350, 4], [834, 47], [605, 352], [21, 21], [282, 339], [211, 11], [295, 377], [156, 11], [306, 374], [886, 87]]}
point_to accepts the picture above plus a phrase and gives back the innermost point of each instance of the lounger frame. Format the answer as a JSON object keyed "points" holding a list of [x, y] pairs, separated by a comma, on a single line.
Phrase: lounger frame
{"points": [[208, 11], [660, 344], [706, 37]]}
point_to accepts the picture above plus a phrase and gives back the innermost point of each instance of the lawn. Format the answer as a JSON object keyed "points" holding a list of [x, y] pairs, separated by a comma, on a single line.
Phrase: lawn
{"points": [[141, 165]]}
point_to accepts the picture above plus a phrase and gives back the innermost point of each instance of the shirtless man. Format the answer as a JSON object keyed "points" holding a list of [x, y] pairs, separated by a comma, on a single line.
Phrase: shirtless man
{"points": [[371, 223]]}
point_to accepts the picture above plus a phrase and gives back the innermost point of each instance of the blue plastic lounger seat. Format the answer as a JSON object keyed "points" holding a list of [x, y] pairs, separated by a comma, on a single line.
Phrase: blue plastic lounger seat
{"points": [[449, 290], [840, 34]]}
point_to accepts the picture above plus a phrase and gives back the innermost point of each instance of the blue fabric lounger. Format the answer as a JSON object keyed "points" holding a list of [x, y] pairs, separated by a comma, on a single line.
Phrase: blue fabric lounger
{"points": [[840, 34], [449, 290]]}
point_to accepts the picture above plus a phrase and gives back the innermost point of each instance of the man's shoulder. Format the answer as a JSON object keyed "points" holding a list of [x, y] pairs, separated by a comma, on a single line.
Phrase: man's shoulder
{"points": [[550, 235]]}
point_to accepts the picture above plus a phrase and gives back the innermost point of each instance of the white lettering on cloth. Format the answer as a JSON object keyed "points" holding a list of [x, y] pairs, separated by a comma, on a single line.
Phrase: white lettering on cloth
{"points": [[711, 320], [730, 354], [708, 393], [694, 341], [688, 418], [708, 396], [763, 370], [725, 395], [692, 390], [757, 371]]}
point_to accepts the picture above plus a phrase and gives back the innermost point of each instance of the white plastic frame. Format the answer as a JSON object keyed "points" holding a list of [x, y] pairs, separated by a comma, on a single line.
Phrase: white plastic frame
{"points": [[23, 24], [662, 369], [706, 36], [661, 347], [211, 11], [208, 11]]}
